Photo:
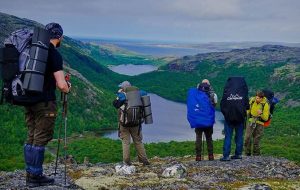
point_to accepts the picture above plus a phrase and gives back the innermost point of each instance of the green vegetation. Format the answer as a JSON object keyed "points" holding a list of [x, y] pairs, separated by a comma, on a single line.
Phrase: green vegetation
{"points": [[106, 150], [93, 88]]}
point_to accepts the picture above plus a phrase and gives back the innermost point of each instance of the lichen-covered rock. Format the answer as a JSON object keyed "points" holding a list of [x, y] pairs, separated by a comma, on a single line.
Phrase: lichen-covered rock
{"points": [[177, 170], [125, 169], [254, 172], [257, 187]]}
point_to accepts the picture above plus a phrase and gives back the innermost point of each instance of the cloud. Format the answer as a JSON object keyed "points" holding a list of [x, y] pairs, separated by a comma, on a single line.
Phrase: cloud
{"points": [[207, 9], [193, 20]]}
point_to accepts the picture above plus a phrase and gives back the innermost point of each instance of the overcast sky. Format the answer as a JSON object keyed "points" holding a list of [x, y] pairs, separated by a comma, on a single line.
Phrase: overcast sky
{"points": [[168, 20]]}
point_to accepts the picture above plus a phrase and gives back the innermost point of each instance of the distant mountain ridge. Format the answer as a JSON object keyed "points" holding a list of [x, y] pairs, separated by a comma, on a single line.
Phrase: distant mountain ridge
{"points": [[267, 54]]}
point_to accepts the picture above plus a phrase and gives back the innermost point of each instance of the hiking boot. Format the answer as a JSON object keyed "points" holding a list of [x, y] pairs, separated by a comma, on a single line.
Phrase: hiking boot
{"points": [[236, 157], [198, 158], [211, 157], [128, 163], [223, 159], [38, 180], [146, 163]]}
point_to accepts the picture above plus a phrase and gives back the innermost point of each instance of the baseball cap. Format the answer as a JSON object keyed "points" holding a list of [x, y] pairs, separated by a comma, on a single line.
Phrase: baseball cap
{"points": [[55, 29]]}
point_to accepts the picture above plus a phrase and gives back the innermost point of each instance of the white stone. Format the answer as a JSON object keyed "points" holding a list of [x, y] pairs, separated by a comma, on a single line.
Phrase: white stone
{"points": [[125, 169], [177, 170]]}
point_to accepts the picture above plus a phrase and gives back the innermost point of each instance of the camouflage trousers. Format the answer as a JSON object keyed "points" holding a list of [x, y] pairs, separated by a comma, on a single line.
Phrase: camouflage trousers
{"points": [[253, 135]]}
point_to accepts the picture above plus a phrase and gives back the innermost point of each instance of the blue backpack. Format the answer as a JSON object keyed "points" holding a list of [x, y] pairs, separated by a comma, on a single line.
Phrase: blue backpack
{"points": [[200, 111]]}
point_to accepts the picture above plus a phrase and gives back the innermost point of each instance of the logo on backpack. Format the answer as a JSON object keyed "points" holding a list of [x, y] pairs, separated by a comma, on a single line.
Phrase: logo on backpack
{"points": [[234, 97], [23, 61], [235, 102]]}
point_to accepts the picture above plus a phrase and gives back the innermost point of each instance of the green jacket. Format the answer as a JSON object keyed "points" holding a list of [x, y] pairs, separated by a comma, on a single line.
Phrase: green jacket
{"points": [[254, 107]]}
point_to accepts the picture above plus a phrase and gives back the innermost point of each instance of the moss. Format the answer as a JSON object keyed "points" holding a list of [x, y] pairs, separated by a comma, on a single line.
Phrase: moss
{"points": [[275, 184]]}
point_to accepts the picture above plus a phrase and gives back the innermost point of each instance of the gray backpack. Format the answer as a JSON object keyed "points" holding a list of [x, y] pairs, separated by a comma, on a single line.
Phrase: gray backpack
{"points": [[132, 114], [23, 64]]}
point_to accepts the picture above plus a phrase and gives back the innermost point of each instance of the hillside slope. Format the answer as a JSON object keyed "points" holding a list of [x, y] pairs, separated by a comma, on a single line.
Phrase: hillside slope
{"points": [[93, 87]]}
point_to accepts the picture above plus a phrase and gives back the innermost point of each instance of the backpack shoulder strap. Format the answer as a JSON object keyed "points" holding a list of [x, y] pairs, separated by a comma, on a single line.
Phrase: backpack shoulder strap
{"points": [[251, 102]]}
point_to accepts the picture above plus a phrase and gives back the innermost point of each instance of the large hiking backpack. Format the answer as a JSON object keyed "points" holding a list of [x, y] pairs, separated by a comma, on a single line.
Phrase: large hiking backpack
{"points": [[23, 63], [132, 114], [200, 111], [235, 101]]}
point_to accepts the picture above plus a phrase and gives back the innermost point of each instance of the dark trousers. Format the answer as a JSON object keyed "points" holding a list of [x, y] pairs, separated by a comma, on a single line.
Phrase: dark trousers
{"points": [[40, 121], [208, 135]]}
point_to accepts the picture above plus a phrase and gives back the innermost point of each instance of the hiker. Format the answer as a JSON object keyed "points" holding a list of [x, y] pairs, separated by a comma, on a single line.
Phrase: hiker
{"points": [[130, 118], [258, 114], [201, 116], [40, 117], [234, 105], [212, 95]]}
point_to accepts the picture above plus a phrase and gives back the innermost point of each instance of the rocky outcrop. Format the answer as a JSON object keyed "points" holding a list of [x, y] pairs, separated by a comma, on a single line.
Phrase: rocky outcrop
{"points": [[268, 54], [248, 173]]}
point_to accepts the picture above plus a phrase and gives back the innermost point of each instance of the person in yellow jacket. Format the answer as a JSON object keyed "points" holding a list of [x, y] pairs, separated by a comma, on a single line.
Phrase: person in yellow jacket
{"points": [[258, 113]]}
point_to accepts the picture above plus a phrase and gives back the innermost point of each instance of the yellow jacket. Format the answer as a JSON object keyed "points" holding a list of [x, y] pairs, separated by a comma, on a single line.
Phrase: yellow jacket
{"points": [[254, 107]]}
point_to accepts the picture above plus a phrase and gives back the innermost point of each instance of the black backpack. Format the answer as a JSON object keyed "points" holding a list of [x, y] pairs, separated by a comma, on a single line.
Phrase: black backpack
{"points": [[269, 94], [235, 101], [23, 63]]}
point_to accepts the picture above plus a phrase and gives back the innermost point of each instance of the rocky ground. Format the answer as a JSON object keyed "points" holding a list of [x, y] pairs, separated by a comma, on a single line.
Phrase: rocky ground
{"points": [[248, 173]]}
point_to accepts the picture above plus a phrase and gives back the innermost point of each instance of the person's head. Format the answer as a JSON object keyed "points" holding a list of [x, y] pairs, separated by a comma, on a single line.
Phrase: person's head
{"points": [[56, 33], [124, 84], [206, 81], [203, 87], [259, 96]]}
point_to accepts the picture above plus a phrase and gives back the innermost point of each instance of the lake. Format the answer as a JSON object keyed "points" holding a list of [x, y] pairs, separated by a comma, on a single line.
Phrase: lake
{"points": [[131, 70], [170, 123], [169, 117]]}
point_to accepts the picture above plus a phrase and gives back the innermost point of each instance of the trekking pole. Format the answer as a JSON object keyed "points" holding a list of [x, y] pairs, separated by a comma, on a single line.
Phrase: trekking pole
{"points": [[58, 139], [65, 141], [203, 146], [65, 105]]}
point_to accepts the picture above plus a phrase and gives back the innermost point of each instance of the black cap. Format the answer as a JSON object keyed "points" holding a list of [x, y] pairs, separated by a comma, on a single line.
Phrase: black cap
{"points": [[55, 29]]}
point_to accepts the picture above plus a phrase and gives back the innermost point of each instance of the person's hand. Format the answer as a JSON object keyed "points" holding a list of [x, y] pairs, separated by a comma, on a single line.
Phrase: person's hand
{"points": [[259, 112]]}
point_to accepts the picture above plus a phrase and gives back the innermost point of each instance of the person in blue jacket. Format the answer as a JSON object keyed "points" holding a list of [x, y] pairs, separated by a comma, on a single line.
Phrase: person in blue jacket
{"points": [[201, 116]]}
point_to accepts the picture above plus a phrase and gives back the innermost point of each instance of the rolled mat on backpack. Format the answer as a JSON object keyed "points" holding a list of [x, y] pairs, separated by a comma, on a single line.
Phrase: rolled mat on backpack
{"points": [[36, 66], [147, 109]]}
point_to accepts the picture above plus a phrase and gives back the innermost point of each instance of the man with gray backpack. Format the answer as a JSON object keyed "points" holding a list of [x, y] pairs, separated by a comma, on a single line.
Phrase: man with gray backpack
{"points": [[31, 70], [131, 116]]}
